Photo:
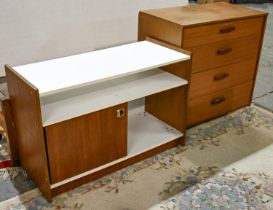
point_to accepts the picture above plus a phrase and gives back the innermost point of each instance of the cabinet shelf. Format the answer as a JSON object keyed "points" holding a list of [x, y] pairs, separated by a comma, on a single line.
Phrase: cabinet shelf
{"points": [[63, 106]]}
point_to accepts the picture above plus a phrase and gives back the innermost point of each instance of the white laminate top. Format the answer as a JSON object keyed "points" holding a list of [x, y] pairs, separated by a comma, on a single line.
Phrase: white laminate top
{"points": [[61, 74]]}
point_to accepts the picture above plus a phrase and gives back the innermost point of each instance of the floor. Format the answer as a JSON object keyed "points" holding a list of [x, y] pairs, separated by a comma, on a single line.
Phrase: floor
{"points": [[263, 96]]}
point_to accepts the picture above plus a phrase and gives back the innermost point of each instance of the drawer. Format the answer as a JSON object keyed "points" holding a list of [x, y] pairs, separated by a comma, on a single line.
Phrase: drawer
{"points": [[205, 34], [225, 52], [86, 142], [219, 103], [208, 82]]}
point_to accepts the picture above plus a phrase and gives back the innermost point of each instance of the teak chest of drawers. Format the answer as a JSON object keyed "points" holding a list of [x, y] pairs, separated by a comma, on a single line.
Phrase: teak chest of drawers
{"points": [[81, 117], [225, 41]]}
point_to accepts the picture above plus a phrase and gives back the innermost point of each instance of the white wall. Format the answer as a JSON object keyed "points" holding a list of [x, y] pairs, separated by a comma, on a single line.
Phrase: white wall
{"points": [[35, 30]]}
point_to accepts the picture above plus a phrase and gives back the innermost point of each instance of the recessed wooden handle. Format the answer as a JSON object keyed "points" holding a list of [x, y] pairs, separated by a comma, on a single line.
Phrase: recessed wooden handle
{"points": [[220, 76], [224, 50], [227, 29], [218, 100]]}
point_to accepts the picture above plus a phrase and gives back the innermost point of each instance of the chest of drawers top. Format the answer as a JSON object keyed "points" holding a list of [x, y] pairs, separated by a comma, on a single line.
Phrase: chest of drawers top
{"points": [[193, 25], [193, 15]]}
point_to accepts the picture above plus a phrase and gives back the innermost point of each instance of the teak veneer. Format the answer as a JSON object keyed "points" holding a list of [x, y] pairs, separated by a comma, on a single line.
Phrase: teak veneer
{"points": [[225, 41], [89, 125]]}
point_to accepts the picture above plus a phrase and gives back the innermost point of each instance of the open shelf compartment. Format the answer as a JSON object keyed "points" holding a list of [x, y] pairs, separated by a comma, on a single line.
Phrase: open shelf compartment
{"points": [[145, 131], [81, 101]]}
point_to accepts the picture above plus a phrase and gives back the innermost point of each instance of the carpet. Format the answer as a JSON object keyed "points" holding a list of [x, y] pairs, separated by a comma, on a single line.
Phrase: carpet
{"points": [[5, 160], [4, 155], [227, 163]]}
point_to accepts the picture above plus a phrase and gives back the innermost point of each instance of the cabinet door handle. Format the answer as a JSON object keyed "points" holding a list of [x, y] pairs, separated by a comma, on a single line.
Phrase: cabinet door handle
{"points": [[224, 50], [227, 29], [218, 100], [220, 76], [120, 113]]}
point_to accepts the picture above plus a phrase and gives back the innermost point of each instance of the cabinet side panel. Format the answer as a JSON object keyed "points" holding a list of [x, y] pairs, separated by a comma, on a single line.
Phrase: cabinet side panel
{"points": [[259, 55], [181, 69], [150, 26], [28, 125], [169, 106], [86, 142]]}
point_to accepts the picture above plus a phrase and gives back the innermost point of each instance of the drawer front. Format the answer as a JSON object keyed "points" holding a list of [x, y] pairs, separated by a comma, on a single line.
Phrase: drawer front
{"points": [[86, 142], [225, 52], [208, 82], [219, 103], [205, 34]]}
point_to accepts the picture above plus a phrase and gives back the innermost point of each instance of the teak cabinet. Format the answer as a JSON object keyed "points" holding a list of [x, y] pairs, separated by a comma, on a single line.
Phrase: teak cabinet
{"points": [[225, 41], [84, 116]]}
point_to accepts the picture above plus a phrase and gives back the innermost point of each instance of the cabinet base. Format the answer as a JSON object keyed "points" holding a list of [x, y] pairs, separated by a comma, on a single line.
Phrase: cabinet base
{"points": [[83, 180]]}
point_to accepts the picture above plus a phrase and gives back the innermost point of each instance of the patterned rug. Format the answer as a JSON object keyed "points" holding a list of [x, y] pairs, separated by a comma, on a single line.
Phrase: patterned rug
{"points": [[5, 160], [226, 164], [4, 155]]}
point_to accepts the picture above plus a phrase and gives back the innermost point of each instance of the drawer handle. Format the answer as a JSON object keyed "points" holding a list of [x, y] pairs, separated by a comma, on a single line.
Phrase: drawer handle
{"points": [[224, 50], [220, 76], [218, 100], [227, 29]]}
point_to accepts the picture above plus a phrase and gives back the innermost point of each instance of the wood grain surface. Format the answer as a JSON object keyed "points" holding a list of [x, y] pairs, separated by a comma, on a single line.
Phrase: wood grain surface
{"points": [[205, 34], [193, 15], [155, 27], [215, 54], [218, 103], [208, 82], [86, 142], [29, 131]]}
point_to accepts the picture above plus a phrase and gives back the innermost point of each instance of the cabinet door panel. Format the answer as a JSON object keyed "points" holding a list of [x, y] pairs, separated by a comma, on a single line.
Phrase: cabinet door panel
{"points": [[86, 142]]}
